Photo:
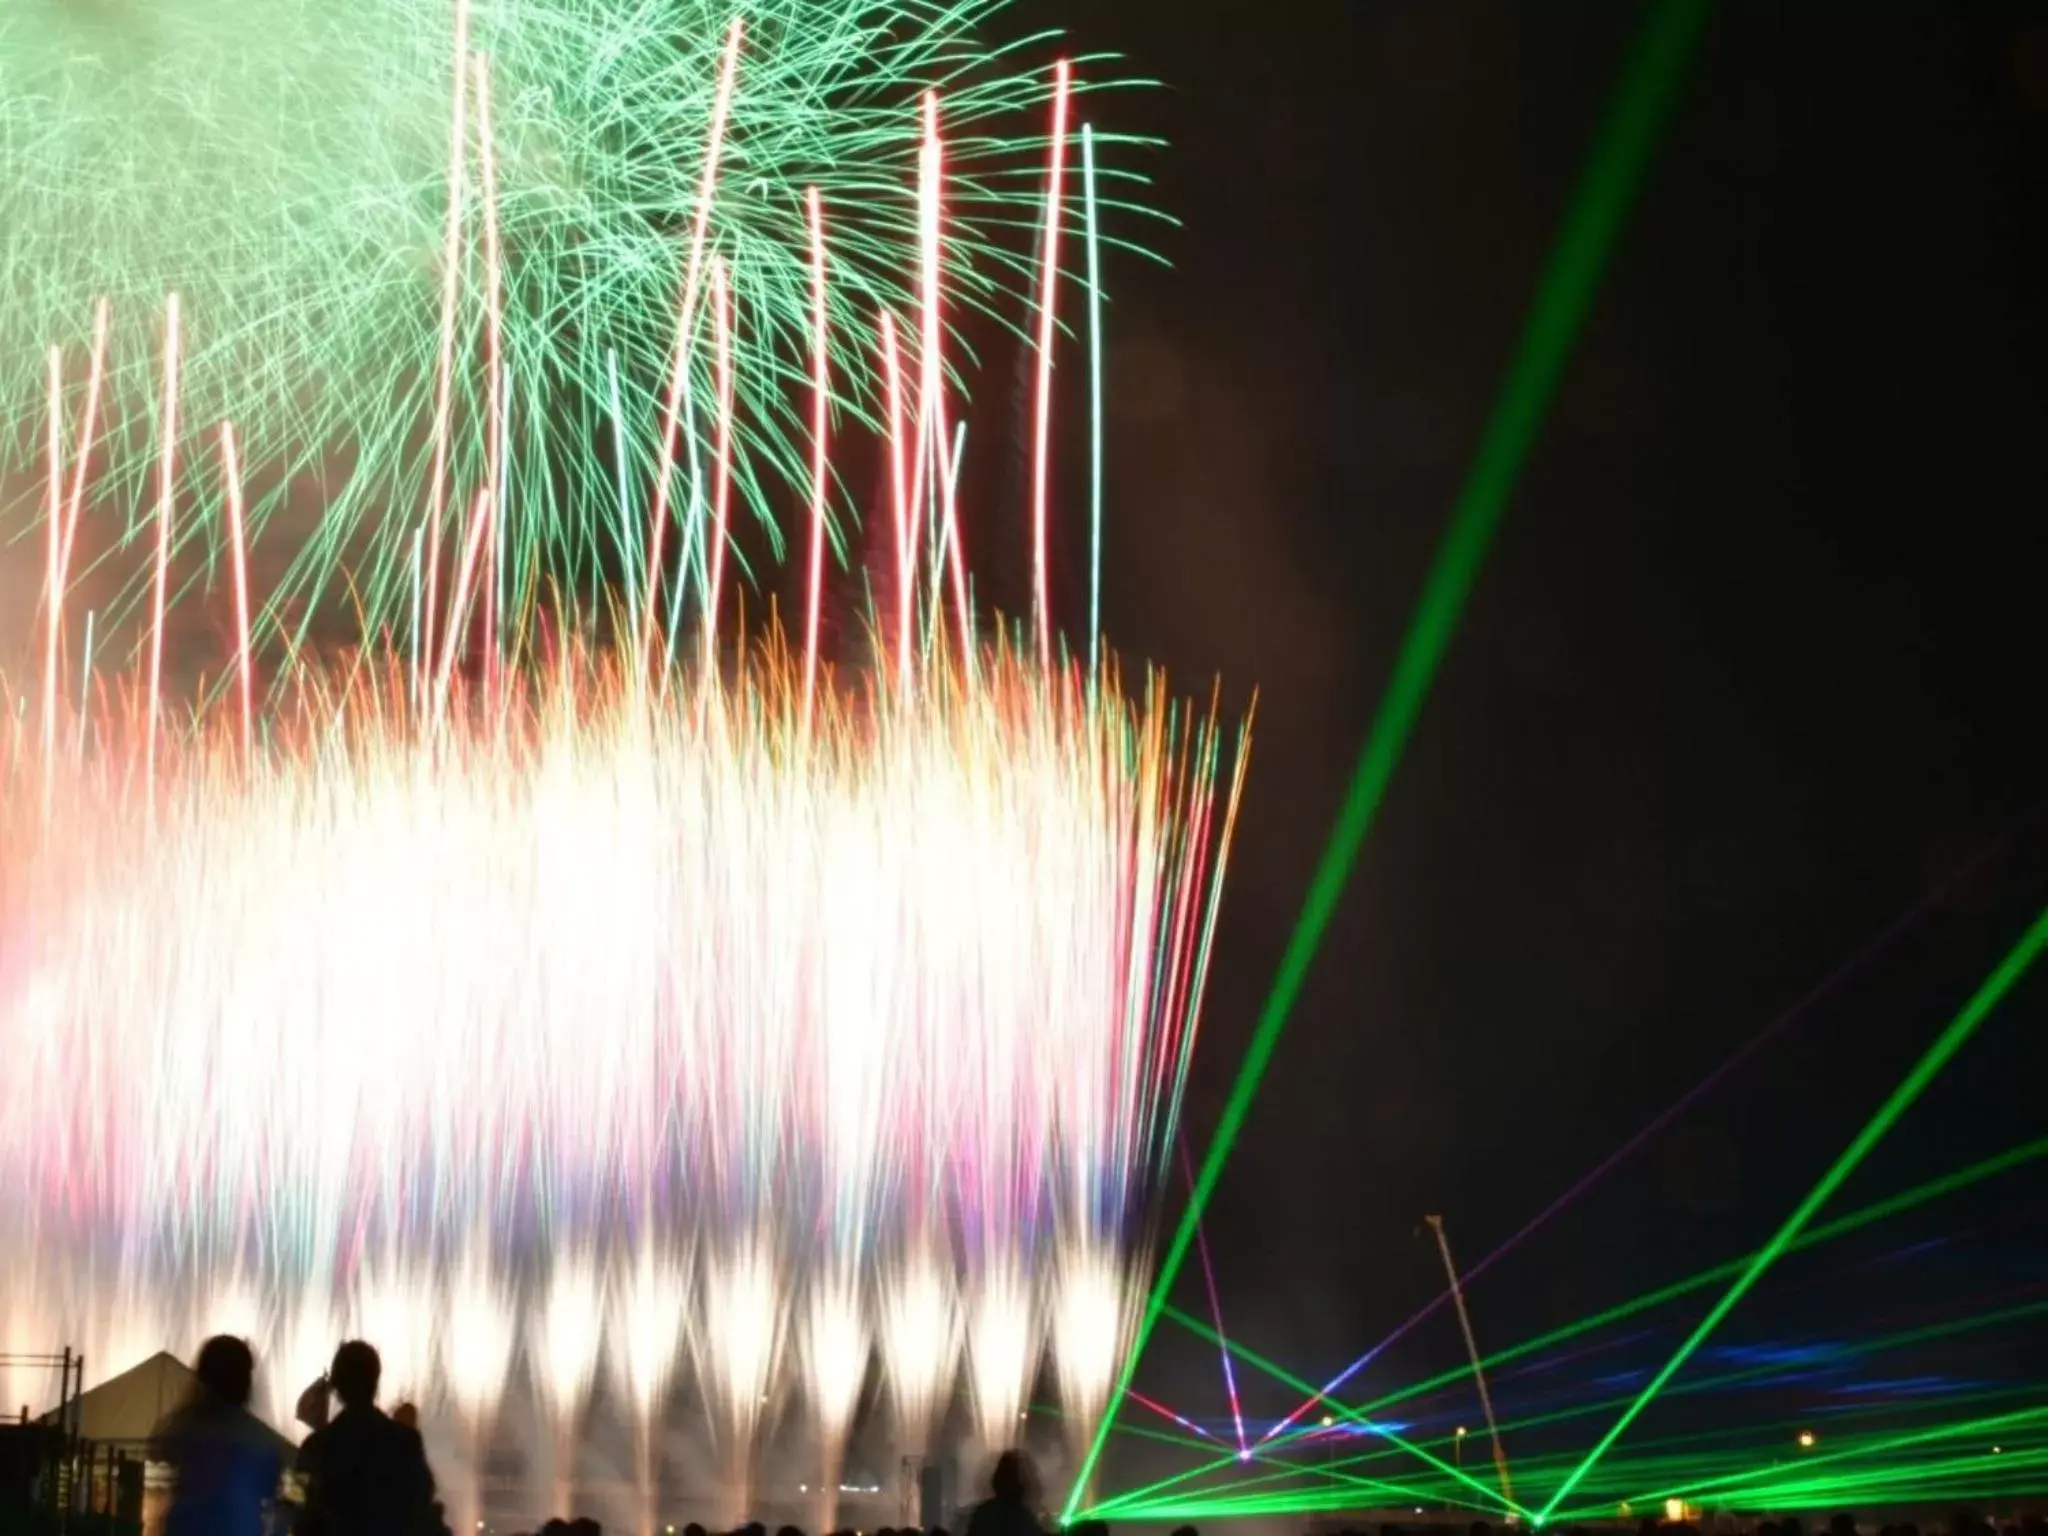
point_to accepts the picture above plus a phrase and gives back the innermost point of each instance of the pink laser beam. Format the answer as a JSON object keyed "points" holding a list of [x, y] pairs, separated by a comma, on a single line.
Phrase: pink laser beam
{"points": [[494, 352], [67, 523], [722, 321], [906, 537], [167, 468], [685, 320], [931, 412], [821, 383], [451, 289], [458, 606], [102, 322], [231, 474], [53, 589], [1167, 1413], [1216, 1312], [1041, 437]]}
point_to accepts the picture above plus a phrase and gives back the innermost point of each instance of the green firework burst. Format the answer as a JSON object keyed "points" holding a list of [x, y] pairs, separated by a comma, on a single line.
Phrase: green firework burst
{"points": [[283, 166]]}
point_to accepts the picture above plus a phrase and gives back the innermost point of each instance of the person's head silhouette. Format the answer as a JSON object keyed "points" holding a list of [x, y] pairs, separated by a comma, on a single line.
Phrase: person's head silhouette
{"points": [[1010, 1481], [355, 1373], [226, 1371]]}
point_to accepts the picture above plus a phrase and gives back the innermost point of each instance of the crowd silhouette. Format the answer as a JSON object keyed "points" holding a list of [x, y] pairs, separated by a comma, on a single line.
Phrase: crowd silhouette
{"points": [[363, 1472]]}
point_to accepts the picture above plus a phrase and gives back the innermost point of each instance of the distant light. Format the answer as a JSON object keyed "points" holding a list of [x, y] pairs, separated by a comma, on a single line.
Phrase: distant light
{"points": [[1807, 1439], [1328, 1421], [1461, 1431], [1998, 1450], [1674, 1510]]}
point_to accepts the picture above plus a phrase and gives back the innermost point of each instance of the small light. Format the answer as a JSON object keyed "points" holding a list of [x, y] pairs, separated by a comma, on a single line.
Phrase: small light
{"points": [[1807, 1439], [1674, 1510], [1461, 1431], [1328, 1421], [1998, 1450]]}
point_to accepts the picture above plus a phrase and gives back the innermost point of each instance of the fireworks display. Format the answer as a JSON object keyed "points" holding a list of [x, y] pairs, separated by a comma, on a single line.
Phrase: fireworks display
{"points": [[622, 1013], [286, 166], [783, 1043]]}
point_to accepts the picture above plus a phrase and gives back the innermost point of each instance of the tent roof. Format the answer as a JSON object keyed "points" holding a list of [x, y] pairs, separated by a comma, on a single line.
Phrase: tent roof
{"points": [[131, 1405]]}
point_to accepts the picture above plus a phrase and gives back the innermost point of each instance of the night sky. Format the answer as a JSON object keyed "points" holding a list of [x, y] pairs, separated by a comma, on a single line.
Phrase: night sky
{"points": [[1752, 667]]}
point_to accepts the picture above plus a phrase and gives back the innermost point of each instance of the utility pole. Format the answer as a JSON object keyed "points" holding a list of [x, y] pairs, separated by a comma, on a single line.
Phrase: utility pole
{"points": [[1500, 1455]]}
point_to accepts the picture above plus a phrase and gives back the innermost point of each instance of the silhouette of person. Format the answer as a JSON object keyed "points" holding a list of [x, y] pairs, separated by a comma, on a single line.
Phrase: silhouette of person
{"points": [[1007, 1511], [228, 1462], [366, 1474]]}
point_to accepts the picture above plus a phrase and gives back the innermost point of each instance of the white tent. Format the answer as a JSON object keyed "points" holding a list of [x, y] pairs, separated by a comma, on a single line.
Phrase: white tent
{"points": [[127, 1408]]}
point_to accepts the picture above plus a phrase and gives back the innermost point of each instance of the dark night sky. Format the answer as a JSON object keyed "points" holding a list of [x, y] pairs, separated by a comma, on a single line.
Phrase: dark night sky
{"points": [[1754, 662]]}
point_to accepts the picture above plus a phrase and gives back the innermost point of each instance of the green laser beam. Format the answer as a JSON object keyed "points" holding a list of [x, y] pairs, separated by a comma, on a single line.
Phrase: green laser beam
{"points": [[1284, 1470], [1279, 1373], [1948, 1328], [1903, 1338], [1755, 1488], [1908, 1199], [1697, 1473], [1565, 292], [1901, 1099], [1960, 1476], [1855, 1221], [1092, 225], [1339, 1472], [1863, 1449], [2002, 1472]]}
